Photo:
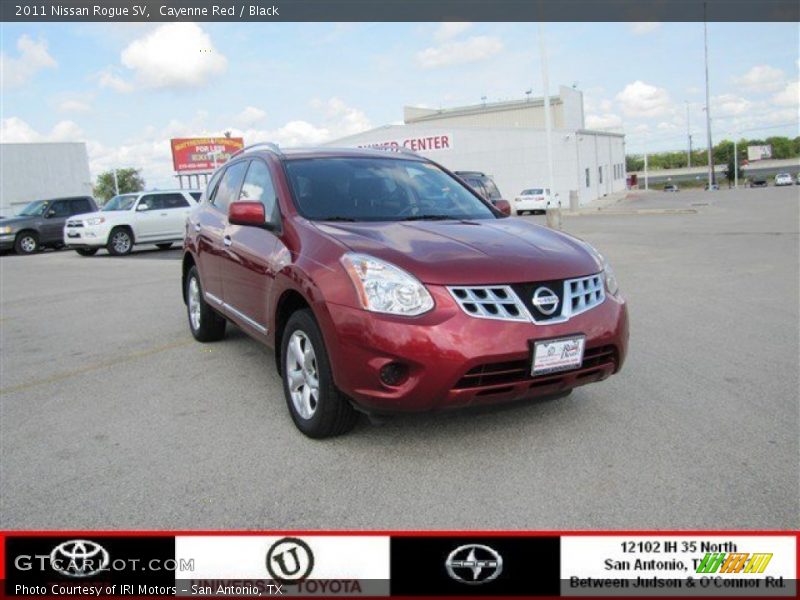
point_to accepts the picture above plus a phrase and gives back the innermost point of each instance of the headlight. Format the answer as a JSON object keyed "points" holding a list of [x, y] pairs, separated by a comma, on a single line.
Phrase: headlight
{"points": [[611, 278], [95, 220], [6, 229], [384, 288]]}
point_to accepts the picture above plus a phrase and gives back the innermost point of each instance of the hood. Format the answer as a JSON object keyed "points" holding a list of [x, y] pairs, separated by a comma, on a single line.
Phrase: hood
{"points": [[89, 215], [470, 252], [17, 221]]}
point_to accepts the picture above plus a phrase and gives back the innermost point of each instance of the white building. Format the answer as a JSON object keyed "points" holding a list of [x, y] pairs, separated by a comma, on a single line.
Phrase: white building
{"points": [[39, 171], [507, 141]]}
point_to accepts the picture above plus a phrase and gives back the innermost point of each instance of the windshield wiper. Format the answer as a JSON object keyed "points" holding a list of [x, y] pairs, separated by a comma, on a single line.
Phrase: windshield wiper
{"points": [[429, 218], [348, 219]]}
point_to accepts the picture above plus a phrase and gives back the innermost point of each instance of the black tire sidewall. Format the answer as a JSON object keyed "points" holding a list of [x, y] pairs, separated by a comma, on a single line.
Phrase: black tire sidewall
{"points": [[86, 251], [212, 325]]}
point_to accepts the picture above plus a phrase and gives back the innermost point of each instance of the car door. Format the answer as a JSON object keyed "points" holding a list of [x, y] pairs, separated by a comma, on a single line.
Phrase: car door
{"points": [[149, 221], [248, 270], [177, 208], [208, 225], [55, 216]]}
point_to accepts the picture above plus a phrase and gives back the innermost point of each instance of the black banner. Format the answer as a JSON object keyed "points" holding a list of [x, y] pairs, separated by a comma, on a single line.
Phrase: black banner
{"points": [[400, 10]]}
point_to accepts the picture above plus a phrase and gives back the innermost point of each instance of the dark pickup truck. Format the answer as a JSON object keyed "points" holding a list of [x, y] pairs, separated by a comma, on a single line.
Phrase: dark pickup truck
{"points": [[41, 224]]}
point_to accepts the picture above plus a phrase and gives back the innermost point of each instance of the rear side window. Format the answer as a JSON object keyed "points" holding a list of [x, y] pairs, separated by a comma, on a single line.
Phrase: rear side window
{"points": [[228, 190], [175, 200], [151, 201], [257, 187], [491, 189], [80, 205], [196, 195]]}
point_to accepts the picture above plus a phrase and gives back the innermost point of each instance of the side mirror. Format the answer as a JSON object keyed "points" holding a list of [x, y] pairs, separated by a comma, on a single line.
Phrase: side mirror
{"points": [[50, 213], [503, 206], [247, 213], [142, 207]]}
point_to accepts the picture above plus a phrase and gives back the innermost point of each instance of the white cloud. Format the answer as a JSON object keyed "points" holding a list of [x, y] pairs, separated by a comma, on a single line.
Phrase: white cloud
{"points": [[174, 55], [15, 130], [761, 78], [33, 57], [449, 30], [73, 105], [790, 96], [640, 99], [250, 116], [451, 53], [603, 121], [109, 79], [729, 105], [643, 27]]}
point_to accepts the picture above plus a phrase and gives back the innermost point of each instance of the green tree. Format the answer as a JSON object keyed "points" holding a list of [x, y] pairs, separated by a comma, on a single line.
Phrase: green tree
{"points": [[129, 180]]}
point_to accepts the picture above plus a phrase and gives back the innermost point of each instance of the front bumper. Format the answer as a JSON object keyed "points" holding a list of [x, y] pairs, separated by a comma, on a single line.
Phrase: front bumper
{"points": [[7, 241], [95, 236], [455, 360]]}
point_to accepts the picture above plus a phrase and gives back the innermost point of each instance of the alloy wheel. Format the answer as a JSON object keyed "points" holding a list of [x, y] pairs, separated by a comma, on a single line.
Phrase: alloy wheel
{"points": [[302, 375]]}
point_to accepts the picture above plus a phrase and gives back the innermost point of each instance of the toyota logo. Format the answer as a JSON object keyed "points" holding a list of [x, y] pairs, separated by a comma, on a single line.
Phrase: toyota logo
{"points": [[545, 300], [474, 564], [289, 560], [79, 558]]}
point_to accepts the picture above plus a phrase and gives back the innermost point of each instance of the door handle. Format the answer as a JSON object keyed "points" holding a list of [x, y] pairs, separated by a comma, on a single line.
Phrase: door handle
{"points": [[227, 240]]}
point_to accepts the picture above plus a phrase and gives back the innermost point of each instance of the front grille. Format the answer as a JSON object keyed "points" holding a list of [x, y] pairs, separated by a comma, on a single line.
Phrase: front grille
{"points": [[503, 373], [490, 302], [582, 294], [515, 302]]}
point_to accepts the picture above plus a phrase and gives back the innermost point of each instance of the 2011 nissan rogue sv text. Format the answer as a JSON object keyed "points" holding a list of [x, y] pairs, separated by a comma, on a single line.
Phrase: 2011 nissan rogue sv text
{"points": [[386, 285]]}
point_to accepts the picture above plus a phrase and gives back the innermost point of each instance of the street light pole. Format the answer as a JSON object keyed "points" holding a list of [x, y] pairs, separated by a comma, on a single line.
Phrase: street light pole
{"points": [[116, 182], [547, 124], [708, 107], [689, 136]]}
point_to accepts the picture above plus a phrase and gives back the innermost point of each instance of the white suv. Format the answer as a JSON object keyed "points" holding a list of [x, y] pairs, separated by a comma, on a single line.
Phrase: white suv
{"points": [[140, 218], [532, 200]]}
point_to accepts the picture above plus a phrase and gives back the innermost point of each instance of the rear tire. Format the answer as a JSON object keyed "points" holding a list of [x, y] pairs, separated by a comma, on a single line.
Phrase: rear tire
{"points": [[86, 251], [27, 242], [164, 246], [318, 409], [205, 324], [120, 241]]}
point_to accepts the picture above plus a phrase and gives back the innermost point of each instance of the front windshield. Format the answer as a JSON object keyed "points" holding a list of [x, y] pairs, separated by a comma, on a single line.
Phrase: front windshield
{"points": [[124, 202], [34, 209], [533, 192], [379, 189]]}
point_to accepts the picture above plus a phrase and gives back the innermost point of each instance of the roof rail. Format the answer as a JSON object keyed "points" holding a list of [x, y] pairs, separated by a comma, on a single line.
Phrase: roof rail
{"points": [[266, 145]]}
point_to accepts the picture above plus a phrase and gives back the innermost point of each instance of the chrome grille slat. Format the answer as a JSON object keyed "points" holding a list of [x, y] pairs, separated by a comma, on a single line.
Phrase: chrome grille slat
{"points": [[489, 302], [582, 294]]}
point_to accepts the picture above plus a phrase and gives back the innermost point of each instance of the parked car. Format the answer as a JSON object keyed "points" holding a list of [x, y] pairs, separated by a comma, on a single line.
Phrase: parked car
{"points": [[783, 179], [157, 217], [40, 224], [481, 183], [759, 182], [671, 187], [532, 200], [387, 285], [714, 187]]}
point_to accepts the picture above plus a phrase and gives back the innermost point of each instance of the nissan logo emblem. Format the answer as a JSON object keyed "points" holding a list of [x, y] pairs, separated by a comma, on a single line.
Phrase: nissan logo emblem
{"points": [[474, 564], [545, 300], [79, 558]]}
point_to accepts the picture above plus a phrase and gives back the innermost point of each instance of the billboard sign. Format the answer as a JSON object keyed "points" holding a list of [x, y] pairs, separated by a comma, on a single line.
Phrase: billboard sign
{"points": [[759, 152], [202, 154]]}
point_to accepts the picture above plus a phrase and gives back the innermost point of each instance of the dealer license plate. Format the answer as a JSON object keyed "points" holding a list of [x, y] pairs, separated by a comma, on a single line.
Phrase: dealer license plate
{"points": [[562, 354]]}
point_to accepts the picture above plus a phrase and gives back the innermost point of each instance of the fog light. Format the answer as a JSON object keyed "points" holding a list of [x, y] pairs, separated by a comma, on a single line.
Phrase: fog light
{"points": [[394, 374]]}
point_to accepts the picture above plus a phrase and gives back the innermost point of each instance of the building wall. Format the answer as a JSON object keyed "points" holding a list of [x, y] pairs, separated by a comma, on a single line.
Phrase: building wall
{"points": [[39, 171], [515, 158]]}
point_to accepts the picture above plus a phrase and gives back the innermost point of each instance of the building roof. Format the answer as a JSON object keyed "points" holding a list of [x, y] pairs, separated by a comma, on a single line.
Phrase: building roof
{"points": [[416, 114]]}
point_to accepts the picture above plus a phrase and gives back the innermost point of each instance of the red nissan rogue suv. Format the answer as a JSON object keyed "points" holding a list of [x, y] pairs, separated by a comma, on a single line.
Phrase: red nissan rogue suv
{"points": [[387, 285]]}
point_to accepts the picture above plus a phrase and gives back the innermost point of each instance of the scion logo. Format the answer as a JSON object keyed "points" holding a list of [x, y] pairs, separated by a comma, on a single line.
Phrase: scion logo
{"points": [[290, 560], [545, 300], [79, 558], [474, 564]]}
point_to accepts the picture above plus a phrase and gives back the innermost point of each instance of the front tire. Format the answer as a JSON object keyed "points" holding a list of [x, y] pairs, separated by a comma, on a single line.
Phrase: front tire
{"points": [[86, 251], [120, 241], [204, 323], [27, 242], [317, 408], [164, 246]]}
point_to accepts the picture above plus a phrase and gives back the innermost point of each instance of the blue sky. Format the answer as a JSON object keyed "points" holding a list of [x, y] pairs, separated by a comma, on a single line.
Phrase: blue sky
{"points": [[127, 88]]}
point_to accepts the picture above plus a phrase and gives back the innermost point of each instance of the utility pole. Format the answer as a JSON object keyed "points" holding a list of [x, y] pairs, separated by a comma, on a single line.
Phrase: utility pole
{"points": [[646, 182], [688, 135], [735, 165], [708, 107], [547, 124], [116, 182]]}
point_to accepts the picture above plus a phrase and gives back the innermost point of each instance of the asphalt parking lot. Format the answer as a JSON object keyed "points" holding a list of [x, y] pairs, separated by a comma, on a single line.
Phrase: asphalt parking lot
{"points": [[113, 417]]}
